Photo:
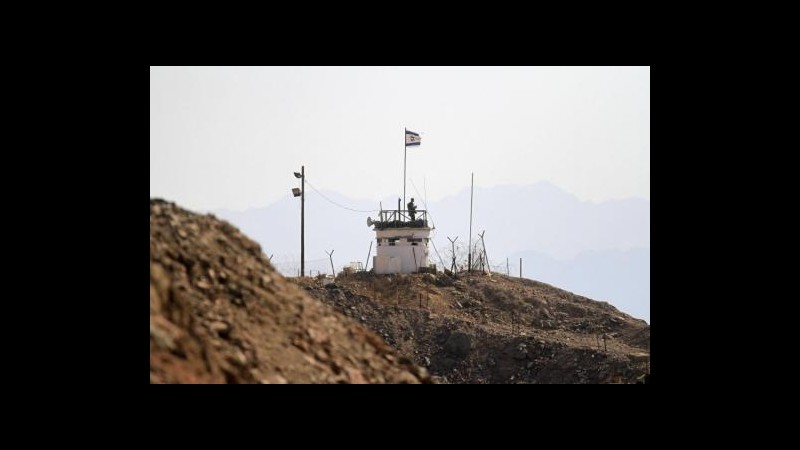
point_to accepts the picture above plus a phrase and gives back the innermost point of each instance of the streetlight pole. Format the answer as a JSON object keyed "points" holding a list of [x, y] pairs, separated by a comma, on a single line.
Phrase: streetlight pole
{"points": [[302, 194], [303, 221]]}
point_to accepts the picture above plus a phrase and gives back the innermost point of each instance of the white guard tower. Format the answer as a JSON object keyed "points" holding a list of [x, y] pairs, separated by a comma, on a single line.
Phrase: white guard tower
{"points": [[402, 241]]}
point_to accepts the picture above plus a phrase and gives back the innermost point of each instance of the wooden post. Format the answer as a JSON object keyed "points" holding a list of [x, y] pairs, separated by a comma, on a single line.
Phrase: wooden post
{"points": [[330, 255], [485, 256], [520, 267], [469, 244], [453, 245], [366, 264]]}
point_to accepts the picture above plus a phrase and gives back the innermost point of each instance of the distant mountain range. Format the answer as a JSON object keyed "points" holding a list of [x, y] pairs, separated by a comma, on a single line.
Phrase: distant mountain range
{"points": [[600, 250], [620, 277]]}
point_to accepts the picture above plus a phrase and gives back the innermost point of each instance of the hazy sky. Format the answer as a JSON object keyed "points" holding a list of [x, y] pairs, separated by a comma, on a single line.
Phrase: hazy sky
{"points": [[231, 137]]}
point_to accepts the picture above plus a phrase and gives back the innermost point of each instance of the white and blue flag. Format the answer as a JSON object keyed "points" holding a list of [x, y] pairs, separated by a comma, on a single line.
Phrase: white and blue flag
{"points": [[412, 138]]}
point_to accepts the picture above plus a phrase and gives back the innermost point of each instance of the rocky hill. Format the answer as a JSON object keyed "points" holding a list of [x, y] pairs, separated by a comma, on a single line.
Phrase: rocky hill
{"points": [[490, 328], [219, 313]]}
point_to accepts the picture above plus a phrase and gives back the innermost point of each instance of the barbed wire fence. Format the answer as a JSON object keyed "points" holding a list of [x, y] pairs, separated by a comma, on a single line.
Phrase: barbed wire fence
{"points": [[290, 266]]}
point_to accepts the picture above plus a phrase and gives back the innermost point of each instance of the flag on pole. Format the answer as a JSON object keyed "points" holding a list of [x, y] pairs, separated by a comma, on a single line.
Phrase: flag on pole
{"points": [[412, 138]]}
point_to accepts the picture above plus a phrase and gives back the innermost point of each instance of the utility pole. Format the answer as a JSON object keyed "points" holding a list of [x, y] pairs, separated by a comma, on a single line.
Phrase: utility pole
{"points": [[520, 267]]}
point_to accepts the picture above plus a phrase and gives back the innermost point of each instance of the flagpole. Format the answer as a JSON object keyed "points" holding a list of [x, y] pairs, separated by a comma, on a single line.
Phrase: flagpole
{"points": [[405, 149]]}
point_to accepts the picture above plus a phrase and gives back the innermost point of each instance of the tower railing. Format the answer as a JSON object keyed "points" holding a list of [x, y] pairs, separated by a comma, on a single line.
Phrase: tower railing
{"points": [[394, 218]]}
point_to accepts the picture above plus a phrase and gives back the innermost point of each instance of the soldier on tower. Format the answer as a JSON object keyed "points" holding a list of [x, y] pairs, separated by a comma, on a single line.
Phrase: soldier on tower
{"points": [[412, 209]]}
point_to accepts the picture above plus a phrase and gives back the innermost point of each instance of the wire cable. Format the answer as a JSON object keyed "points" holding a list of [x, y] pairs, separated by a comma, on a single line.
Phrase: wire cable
{"points": [[338, 204], [425, 205]]}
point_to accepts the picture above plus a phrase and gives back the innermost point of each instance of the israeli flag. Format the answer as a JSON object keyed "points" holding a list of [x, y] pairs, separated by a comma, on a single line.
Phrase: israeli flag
{"points": [[412, 138]]}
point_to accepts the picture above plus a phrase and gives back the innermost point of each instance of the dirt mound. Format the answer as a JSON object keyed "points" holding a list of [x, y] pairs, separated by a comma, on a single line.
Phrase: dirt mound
{"points": [[219, 313], [491, 328]]}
